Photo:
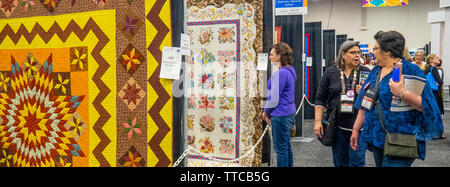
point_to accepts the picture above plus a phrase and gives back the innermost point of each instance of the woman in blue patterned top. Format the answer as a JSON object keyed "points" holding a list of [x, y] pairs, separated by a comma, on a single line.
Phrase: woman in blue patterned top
{"points": [[403, 110]]}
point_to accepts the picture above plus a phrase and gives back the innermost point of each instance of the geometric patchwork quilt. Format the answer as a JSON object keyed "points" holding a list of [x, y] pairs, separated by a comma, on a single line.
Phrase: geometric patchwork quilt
{"points": [[79, 83], [384, 3]]}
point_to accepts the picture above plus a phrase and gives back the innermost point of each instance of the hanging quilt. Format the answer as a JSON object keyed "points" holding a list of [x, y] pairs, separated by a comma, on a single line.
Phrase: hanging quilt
{"points": [[222, 94], [79, 83], [384, 3]]}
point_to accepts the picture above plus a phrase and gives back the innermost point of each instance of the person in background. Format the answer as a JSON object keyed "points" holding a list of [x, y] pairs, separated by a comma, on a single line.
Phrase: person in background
{"points": [[279, 110], [406, 55], [441, 74], [370, 63], [341, 80], [423, 119], [432, 61], [418, 58]]}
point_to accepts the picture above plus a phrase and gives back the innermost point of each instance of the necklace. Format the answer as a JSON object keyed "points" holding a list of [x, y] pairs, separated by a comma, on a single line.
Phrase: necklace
{"points": [[351, 92]]}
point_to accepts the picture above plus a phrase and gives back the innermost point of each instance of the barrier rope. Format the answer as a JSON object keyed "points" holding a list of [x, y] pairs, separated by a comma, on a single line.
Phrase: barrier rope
{"points": [[190, 149], [218, 160], [309, 102]]}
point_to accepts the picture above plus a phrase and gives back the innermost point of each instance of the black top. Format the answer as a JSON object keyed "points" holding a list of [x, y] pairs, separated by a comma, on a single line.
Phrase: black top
{"points": [[329, 93]]}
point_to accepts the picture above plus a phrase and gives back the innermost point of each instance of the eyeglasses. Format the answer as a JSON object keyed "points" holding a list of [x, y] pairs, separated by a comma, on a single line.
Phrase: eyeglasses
{"points": [[375, 48], [355, 52]]}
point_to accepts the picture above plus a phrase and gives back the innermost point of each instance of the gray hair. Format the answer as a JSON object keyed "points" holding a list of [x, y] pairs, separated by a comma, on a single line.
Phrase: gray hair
{"points": [[419, 51], [339, 63]]}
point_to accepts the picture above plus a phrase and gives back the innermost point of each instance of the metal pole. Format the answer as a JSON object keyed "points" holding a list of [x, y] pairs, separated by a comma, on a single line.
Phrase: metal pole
{"points": [[185, 135], [273, 32], [303, 70]]}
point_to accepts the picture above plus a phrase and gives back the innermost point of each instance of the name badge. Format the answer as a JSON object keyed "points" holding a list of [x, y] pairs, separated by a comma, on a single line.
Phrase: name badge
{"points": [[346, 98], [347, 101], [369, 98], [346, 108]]}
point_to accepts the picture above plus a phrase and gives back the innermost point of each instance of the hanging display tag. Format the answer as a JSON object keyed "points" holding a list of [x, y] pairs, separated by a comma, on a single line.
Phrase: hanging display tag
{"points": [[170, 63], [309, 61], [263, 59], [185, 45]]}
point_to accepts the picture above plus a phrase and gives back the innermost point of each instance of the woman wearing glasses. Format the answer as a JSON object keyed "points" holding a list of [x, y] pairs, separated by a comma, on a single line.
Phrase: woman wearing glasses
{"points": [[339, 87], [393, 108]]}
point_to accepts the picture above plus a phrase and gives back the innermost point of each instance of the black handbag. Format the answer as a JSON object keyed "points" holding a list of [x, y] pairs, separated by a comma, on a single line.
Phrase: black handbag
{"points": [[329, 129]]}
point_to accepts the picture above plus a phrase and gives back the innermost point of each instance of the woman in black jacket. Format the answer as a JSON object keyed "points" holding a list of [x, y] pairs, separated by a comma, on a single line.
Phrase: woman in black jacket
{"points": [[339, 87], [433, 60]]}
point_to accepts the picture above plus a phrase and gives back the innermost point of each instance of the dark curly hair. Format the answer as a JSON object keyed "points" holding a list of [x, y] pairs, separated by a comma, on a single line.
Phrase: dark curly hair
{"points": [[285, 52], [391, 41]]}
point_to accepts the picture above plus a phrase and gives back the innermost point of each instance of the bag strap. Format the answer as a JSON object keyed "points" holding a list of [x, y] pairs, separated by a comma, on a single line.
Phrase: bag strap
{"points": [[377, 104], [380, 115]]}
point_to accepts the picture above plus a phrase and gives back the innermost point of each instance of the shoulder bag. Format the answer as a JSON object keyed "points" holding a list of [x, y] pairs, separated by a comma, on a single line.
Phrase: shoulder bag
{"points": [[431, 81], [329, 129]]}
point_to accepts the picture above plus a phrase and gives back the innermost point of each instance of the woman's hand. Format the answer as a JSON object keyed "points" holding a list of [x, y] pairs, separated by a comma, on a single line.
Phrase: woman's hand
{"points": [[266, 118], [354, 140], [397, 88], [358, 87], [318, 129], [359, 122]]}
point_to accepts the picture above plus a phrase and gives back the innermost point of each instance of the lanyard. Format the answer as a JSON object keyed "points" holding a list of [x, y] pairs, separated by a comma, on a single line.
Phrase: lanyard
{"points": [[353, 82]]}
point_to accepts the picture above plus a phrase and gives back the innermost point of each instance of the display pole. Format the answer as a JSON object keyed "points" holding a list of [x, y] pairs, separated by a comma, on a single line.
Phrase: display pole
{"points": [[185, 143], [303, 70]]}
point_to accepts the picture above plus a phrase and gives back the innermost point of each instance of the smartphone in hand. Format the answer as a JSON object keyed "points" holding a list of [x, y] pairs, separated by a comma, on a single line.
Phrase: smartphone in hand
{"points": [[396, 72]]}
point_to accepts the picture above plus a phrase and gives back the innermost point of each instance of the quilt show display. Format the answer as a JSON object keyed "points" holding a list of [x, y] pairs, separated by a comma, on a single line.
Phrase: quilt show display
{"points": [[384, 3], [79, 83], [223, 86]]}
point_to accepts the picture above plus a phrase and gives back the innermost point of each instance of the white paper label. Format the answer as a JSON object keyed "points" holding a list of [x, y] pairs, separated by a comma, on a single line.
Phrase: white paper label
{"points": [[170, 63], [367, 103], [346, 107], [185, 45], [309, 61], [263, 59]]}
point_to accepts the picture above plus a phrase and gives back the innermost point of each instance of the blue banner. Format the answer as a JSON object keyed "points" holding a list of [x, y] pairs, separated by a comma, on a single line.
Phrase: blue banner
{"points": [[288, 3]]}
